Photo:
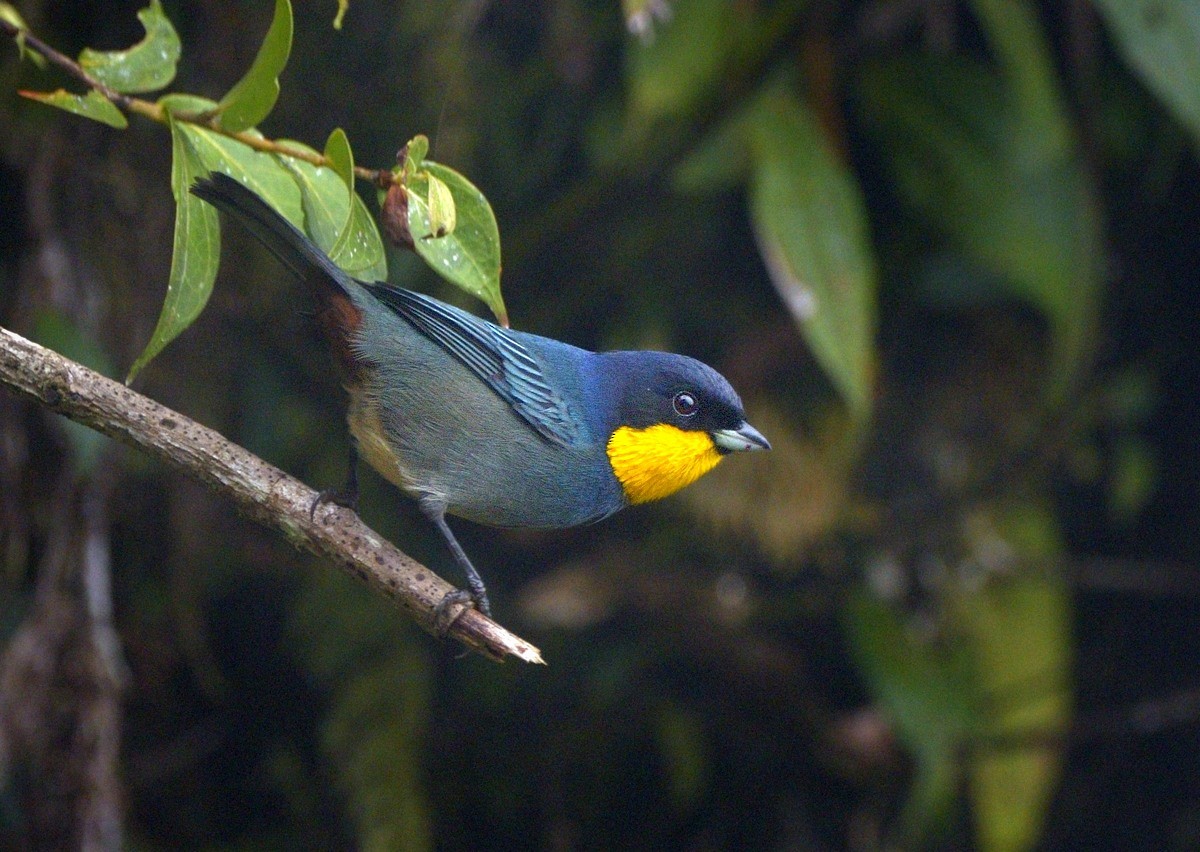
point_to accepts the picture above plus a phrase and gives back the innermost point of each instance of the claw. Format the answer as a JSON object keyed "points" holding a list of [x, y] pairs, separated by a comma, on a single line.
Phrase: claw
{"points": [[336, 496], [347, 495], [450, 609]]}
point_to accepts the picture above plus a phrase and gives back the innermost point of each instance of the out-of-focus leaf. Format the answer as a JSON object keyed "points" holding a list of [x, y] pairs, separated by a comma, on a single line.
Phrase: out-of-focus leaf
{"points": [[670, 73], [92, 105], [1019, 635], [253, 97], [56, 331], [721, 160], [994, 180], [10, 14], [378, 678], [358, 248], [322, 195], [147, 66], [1161, 41], [469, 257], [1028, 73], [682, 744], [196, 252], [1130, 397], [811, 226], [373, 736], [258, 170], [924, 688], [1133, 478], [993, 696]]}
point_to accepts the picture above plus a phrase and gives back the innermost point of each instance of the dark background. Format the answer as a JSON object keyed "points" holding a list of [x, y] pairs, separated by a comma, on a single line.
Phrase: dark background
{"points": [[703, 690]]}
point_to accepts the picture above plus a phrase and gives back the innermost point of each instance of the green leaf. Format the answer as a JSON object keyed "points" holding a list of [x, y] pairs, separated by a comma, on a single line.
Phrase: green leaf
{"points": [[11, 15], [358, 248], [416, 151], [258, 170], [197, 250], [337, 149], [991, 176], [923, 688], [470, 256], [145, 67], [253, 97], [93, 105], [322, 195], [811, 225], [361, 251], [341, 159], [184, 104], [1161, 41], [443, 216]]}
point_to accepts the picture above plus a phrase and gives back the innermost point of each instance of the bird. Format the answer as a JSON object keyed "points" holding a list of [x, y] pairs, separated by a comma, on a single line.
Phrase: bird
{"points": [[497, 426]]}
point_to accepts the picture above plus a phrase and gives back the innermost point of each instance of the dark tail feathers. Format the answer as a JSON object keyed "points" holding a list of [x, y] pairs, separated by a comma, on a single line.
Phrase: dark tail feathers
{"points": [[286, 242]]}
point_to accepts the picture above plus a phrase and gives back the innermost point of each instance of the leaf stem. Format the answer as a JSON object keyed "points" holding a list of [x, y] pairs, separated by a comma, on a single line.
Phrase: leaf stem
{"points": [[154, 112]]}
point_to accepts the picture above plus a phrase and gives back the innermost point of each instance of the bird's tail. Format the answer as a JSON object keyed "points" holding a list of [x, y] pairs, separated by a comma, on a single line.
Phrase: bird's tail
{"points": [[294, 250], [337, 313]]}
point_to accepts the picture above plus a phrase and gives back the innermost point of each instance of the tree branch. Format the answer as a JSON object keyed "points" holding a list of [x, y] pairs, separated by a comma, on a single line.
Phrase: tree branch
{"points": [[261, 491]]}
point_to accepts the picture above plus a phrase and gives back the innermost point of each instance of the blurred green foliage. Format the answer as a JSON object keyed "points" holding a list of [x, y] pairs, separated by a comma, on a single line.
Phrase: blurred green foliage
{"points": [[943, 249]]}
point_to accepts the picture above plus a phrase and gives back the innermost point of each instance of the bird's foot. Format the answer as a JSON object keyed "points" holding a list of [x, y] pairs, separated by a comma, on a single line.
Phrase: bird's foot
{"points": [[451, 608], [337, 496]]}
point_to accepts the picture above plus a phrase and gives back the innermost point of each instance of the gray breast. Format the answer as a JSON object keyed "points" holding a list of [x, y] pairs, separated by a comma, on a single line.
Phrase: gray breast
{"points": [[455, 439]]}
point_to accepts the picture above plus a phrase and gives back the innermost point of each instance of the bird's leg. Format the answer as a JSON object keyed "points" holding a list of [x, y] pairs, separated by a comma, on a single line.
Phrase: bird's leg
{"points": [[347, 495], [474, 581], [436, 512]]}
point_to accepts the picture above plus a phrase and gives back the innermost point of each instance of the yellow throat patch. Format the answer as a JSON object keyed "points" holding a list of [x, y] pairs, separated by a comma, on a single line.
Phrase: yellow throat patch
{"points": [[657, 461]]}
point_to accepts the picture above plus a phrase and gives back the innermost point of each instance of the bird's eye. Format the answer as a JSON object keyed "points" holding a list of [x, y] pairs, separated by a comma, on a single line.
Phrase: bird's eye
{"points": [[685, 404]]}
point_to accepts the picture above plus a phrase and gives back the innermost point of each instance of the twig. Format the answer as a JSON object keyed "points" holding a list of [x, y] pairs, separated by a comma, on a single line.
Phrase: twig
{"points": [[262, 492], [154, 112]]}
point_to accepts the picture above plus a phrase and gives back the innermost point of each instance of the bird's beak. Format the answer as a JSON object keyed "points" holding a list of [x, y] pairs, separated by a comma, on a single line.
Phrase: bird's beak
{"points": [[744, 437]]}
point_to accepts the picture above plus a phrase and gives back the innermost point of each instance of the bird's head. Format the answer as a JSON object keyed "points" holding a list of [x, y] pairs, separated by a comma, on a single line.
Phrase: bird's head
{"points": [[674, 420]]}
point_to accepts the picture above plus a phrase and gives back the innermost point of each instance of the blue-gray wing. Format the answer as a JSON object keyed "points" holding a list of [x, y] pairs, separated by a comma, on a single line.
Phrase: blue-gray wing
{"points": [[493, 354]]}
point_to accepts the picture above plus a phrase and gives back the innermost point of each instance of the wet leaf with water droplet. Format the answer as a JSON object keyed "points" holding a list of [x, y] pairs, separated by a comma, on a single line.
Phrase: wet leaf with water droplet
{"points": [[442, 215], [93, 105], [196, 254], [147, 66], [469, 255], [358, 248]]}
